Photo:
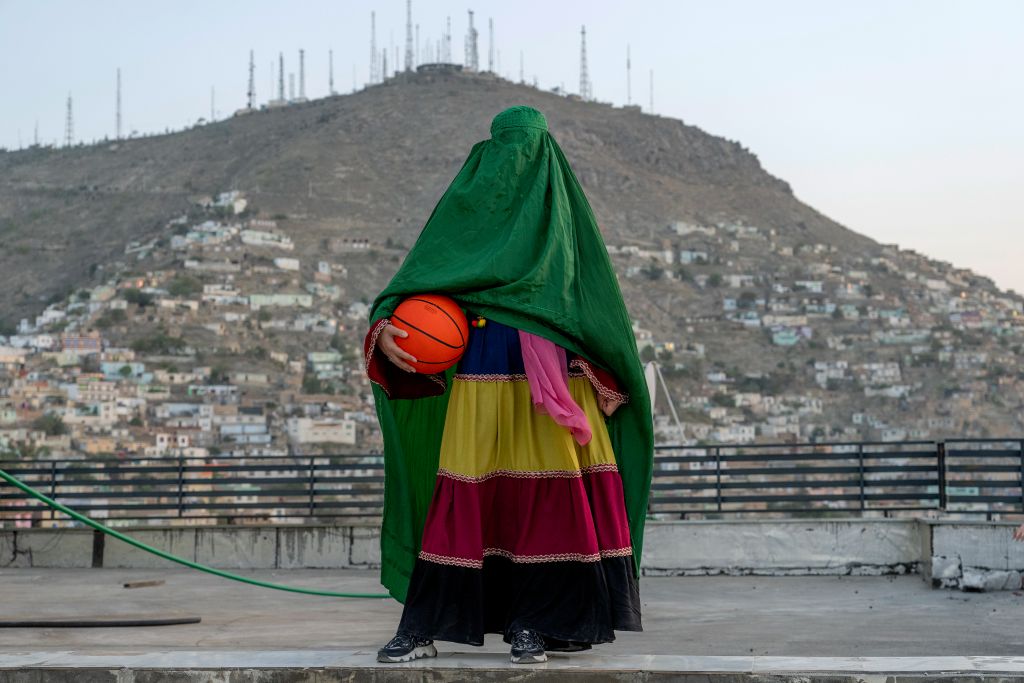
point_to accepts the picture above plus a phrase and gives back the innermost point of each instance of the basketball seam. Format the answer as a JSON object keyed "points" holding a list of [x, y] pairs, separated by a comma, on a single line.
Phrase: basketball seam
{"points": [[457, 326], [423, 332]]}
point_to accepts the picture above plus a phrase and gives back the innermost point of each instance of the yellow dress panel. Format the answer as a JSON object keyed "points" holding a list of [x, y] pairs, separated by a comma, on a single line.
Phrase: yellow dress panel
{"points": [[493, 426]]}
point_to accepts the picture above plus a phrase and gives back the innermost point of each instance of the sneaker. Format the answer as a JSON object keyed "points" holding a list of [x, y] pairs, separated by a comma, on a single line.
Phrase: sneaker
{"points": [[403, 648], [528, 648]]}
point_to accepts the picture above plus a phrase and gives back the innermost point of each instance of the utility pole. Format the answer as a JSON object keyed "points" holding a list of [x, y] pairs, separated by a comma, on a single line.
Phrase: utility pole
{"points": [[408, 35], [69, 126], [490, 46], [252, 81], [584, 78], [118, 127]]}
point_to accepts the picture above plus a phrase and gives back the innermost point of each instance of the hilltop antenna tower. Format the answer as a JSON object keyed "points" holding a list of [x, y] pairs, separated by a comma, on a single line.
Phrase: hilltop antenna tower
{"points": [[302, 74], [629, 85], [408, 35], [69, 126], [37, 132], [417, 57], [280, 78], [490, 46], [213, 109], [652, 92], [118, 127], [584, 78], [291, 86], [446, 50], [373, 47], [330, 72], [252, 80], [521, 80], [472, 55]]}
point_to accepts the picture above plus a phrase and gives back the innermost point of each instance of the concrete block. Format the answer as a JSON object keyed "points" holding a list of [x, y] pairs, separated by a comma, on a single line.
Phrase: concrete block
{"points": [[313, 547], [365, 547], [59, 547], [988, 580], [988, 545], [783, 546], [254, 548], [177, 541], [945, 567]]}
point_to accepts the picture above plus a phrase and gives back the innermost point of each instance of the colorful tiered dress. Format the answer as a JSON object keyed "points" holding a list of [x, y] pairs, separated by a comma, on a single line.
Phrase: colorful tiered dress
{"points": [[527, 529], [495, 518]]}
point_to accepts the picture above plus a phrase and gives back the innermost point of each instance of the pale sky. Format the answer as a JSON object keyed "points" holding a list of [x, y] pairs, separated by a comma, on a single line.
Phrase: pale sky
{"points": [[900, 120]]}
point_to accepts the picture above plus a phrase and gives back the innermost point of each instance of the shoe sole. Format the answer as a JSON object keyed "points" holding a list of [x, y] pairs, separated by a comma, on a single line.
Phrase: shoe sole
{"points": [[530, 659], [418, 653]]}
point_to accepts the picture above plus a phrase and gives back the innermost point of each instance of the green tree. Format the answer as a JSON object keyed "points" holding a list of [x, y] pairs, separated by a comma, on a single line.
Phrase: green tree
{"points": [[185, 285], [138, 297], [51, 423], [722, 399], [746, 300], [311, 385], [715, 279], [264, 315], [647, 354]]}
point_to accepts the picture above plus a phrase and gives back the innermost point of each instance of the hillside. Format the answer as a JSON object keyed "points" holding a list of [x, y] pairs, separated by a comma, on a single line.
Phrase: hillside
{"points": [[771, 320], [371, 164]]}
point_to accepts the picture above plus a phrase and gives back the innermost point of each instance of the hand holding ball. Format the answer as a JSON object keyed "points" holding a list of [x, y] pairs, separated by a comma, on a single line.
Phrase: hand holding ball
{"points": [[436, 333]]}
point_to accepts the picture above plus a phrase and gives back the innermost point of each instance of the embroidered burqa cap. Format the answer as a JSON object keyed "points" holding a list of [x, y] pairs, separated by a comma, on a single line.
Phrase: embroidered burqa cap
{"points": [[513, 239]]}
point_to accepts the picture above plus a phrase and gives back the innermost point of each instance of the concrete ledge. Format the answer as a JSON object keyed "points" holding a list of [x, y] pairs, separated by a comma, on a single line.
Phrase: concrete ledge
{"points": [[966, 555], [357, 667], [782, 547]]}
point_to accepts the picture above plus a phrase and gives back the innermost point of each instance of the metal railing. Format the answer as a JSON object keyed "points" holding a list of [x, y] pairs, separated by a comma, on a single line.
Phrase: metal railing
{"points": [[977, 477], [227, 490]]}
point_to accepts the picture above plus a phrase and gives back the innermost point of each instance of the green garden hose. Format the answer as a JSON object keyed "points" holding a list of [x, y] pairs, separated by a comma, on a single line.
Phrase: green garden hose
{"points": [[150, 549]]}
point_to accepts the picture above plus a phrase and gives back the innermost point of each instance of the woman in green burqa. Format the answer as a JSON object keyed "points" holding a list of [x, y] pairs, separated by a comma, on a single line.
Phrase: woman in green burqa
{"points": [[516, 483]]}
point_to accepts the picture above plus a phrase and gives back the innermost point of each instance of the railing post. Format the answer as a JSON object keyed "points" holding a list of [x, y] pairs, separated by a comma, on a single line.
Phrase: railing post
{"points": [[1020, 462], [181, 484], [940, 453], [718, 477], [860, 462], [53, 485], [312, 484]]}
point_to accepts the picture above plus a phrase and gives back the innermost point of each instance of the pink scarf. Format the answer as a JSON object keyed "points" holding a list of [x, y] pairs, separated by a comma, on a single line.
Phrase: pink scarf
{"points": [[548, 373]]}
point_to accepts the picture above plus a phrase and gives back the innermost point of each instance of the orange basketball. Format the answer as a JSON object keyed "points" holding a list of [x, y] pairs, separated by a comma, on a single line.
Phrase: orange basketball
{"points": [[437, 329]]}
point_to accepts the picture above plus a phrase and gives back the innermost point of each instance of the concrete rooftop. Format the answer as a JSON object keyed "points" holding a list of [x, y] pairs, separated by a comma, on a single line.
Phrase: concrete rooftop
{"points": [[683, 616]]}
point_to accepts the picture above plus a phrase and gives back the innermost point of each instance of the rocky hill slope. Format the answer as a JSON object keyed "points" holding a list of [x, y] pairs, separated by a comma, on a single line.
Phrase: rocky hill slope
{"points": [[369, 165]]}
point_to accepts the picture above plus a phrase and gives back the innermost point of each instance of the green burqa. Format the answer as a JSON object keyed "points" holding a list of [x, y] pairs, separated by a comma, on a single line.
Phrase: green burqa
{"points": [[513, 239]]}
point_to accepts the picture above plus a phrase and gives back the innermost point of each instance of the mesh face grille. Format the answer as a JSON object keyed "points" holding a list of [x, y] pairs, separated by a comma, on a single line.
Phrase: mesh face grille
{"points": [[512, 137]]}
